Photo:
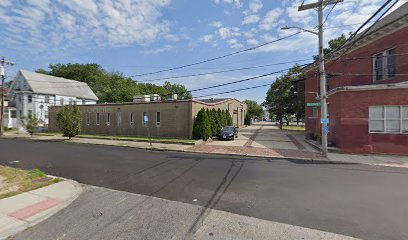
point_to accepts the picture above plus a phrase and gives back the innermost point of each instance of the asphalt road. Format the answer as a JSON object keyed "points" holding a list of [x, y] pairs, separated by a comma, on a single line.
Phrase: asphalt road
{"points": [[354, 200]]}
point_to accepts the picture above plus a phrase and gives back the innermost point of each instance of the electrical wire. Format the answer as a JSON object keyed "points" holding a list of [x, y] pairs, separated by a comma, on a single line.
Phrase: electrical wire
{"points": [[217, 58]]}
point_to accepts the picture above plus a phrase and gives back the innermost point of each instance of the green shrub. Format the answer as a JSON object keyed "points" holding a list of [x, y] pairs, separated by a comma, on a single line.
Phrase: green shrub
{"points": [[229, 118], [30, 123], [202, 126], [69, 121]]}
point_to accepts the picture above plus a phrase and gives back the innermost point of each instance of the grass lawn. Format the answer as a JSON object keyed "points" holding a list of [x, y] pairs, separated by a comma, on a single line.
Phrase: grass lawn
{"points": [[14, 181], [294, 127], [126, 138]]}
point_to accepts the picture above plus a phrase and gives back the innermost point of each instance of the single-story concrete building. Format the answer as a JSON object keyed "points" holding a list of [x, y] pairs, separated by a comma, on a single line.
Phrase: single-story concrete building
{"points": [[170, 119]]}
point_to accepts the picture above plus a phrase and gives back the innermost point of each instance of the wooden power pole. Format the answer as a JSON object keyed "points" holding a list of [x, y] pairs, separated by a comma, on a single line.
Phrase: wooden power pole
{"points": [[3, 63], [323, 88]]}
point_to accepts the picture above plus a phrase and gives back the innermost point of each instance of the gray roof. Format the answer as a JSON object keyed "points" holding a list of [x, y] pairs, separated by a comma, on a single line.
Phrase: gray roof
{"points": [[46, 84], [213, 100]]}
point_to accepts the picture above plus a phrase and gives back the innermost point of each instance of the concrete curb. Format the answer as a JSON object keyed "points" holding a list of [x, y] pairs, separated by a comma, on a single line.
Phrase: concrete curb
{"points": [[10, 225]]}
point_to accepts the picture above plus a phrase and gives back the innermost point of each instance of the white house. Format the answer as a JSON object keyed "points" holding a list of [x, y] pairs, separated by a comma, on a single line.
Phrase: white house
{"points": [[32, 93]]}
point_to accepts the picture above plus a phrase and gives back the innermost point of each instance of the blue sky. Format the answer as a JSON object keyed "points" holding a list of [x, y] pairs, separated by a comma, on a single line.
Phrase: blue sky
{"points": [[139, 36]]}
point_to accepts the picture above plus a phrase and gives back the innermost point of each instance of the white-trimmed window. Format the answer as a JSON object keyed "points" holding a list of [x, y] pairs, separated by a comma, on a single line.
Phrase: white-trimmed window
{"points": [[131, 119], [29, 98], [388, 119], [144, 116], [47, 99], [158, 118], [108, 119], [384, 65]]}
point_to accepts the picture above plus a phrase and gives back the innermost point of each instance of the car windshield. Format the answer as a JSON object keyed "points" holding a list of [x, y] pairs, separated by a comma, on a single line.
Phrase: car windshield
{"points": [[228, 129]]}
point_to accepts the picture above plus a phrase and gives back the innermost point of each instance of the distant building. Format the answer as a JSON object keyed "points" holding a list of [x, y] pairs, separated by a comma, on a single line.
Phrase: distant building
{"points": [[33, 93], [171, 118], [9, 117], [367, 87]]}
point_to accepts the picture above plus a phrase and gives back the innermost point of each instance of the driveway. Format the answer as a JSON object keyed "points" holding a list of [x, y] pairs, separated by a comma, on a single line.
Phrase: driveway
{"points": [[355, 200], [262, 139]]}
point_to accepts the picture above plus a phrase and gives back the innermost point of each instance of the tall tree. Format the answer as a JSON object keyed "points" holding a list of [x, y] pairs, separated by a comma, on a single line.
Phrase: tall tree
{"points": [[254, 110], [112, 86], [283, 99], [69, 121], [202, 127]]}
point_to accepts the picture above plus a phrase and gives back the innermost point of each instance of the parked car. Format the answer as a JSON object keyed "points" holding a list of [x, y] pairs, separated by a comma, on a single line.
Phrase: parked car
{"points": [[228, 133]]}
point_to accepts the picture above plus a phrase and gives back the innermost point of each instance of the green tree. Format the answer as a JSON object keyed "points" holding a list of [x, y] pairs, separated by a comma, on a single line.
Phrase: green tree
{"points": [[222, 121], [69, 121], [216, 122], [254, 110], [202, 127], [283, 99], [179, 89], [334, 44], [30, 123], [112, 86]]}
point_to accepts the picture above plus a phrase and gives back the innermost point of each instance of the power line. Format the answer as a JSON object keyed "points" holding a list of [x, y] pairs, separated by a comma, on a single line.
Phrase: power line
{"points": [[238, 90], [216, 58], [362, 26], [221, 71]]}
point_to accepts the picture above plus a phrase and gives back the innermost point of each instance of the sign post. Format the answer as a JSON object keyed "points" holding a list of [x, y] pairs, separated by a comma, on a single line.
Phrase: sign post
{"points": [[146, 121]]}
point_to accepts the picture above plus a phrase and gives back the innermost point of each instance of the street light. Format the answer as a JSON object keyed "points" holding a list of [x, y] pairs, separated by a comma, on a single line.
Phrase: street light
{"points": [[299, 28], [323, 95]]}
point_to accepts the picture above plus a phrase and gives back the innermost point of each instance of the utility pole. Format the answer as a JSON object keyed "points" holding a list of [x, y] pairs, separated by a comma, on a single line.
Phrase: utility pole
{"points": [[3, 63], [323, 94]]}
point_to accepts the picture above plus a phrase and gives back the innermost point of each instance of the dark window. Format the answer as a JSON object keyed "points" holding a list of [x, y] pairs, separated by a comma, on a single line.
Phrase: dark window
{"points": [[97, 118], [391, 63], [131, 118], [378, 67], [46, 114], [108, 119], [83, 102], [158, 118], [47, 99], [30, 98], [13, 114], [61, 101]]}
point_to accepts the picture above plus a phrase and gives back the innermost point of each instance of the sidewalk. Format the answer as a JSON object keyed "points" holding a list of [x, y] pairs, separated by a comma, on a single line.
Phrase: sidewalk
{"points": [[27, 209], [120, 143]]}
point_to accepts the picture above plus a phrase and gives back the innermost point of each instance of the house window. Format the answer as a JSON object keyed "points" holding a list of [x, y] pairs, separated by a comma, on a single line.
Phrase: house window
{"points": [[30, 98], [388, 119], [158, 118], [13, 114], [47, 99], [46, 114], [131, 119], [87, 119], [97, 118], [145, 117], [384, 65], [70, 101], [83, 102], [108, 119], [61, 101]]}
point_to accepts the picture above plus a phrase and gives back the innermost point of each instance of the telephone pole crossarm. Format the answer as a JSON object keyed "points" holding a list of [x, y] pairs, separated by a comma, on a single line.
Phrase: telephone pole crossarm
{"points": [[317, 4]]}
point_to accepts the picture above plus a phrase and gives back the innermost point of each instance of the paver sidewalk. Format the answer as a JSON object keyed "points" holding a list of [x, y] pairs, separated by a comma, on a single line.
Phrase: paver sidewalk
{"points": [[27, 209]]}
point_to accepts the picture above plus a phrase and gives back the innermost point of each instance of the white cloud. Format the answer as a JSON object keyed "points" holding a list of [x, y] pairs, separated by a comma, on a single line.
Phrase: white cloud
{"points": [[236, 3], [227, 32], [303, 17], [60, 24], [207, 38], [252, 41], [250, 19], [216, 24], [255, 5], [271, 19], [234, 43], [165, 48]]}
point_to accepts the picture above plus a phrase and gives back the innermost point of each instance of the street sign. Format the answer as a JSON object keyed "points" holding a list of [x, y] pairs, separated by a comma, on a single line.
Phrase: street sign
{"points": [[326, 129], [314, 104], [324, 121]]}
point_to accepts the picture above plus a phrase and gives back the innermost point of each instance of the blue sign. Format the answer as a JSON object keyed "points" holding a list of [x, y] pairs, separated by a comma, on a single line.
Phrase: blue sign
{"points": [[326, 129], [145, 118], [324, 121]]}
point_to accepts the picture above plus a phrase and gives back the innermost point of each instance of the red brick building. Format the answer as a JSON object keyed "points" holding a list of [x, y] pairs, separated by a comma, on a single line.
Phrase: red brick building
{"points": [[367, 90]]}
